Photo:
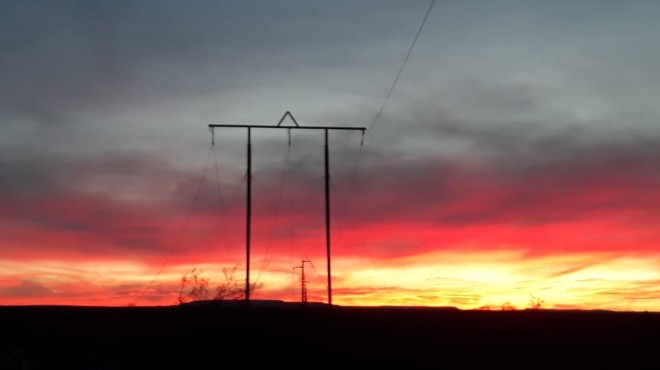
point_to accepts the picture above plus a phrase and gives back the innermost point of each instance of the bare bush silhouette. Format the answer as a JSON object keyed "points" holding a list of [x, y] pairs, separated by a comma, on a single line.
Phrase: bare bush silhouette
{"points": [[507, 306], [195, 287], [535, 303]]}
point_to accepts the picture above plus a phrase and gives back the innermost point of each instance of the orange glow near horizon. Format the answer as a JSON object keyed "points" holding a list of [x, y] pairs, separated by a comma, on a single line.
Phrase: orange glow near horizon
{"points": [[474, 280], [552, 248]]}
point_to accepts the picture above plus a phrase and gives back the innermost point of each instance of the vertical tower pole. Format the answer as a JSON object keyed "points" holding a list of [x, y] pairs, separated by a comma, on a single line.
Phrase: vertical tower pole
{"points": [[248, 214], [327, 216]]}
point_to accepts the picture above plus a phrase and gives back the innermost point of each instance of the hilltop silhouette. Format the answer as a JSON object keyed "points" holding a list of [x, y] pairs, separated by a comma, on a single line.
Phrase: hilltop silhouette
{"points": [[276, 334]]}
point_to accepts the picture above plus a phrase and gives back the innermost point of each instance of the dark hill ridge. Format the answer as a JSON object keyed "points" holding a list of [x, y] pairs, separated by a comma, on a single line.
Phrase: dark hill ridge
{"points": [[276, 334]]}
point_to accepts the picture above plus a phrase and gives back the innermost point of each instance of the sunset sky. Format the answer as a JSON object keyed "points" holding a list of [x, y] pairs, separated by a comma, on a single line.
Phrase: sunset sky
{"points": [[517, 159]]}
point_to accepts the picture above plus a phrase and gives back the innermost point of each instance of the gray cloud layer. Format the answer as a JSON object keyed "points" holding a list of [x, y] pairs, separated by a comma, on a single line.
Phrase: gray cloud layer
{"points": [[516, 109]]}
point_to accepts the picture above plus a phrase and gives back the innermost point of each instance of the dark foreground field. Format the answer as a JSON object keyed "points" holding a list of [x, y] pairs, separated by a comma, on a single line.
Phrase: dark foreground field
{"points": [[279, 335]]}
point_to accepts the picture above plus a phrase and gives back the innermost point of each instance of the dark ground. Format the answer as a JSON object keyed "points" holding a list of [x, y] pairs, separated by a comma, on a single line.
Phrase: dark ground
{"points": [[277, 335]]}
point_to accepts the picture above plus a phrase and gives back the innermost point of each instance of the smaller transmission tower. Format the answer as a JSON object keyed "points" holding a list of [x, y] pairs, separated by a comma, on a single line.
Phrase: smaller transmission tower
{"points": [[303, 281]]}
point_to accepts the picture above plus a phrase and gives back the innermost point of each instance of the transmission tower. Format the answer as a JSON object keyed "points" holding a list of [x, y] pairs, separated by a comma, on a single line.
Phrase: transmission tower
{"points": [[250, 127], [303, 281]]}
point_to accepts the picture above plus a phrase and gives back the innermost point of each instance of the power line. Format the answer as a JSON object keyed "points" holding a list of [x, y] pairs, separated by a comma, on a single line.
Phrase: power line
{"points": [[223, 214], [283, 184], [224, 205], [353, 178], [398, 75], [389, 94], [182, 230], [318, 274], [217, 176]]}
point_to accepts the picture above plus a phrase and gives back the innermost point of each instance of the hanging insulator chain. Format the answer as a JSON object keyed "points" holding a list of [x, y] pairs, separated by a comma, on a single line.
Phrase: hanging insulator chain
{"points": [[289, 131], [362, 139], [212, 135]]}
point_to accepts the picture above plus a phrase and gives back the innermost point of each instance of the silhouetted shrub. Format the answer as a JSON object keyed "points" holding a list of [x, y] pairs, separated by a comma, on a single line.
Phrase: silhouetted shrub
{"points": [[195, 287]]}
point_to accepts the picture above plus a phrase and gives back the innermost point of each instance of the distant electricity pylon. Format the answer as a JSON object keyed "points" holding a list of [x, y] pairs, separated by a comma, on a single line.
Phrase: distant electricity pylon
{"points": [[303, 281], [249, 128]]}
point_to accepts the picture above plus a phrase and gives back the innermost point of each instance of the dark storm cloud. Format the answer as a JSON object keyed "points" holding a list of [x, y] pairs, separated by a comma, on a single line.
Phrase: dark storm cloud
{"points": [[26, 288], [534, 143], [455, 191], [37, 176], [513, 125], [501, 156], [521, 172], [133, 202], [22, 177], [66, 57], [90, 205]]}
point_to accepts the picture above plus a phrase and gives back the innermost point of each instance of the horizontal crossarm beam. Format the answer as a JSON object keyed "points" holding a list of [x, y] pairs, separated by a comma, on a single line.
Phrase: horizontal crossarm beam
{"points": [[213, 125]]}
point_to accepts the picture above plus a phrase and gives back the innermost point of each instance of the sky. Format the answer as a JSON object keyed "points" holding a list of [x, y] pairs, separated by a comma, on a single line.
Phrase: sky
{"points": [[514, 164]]}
